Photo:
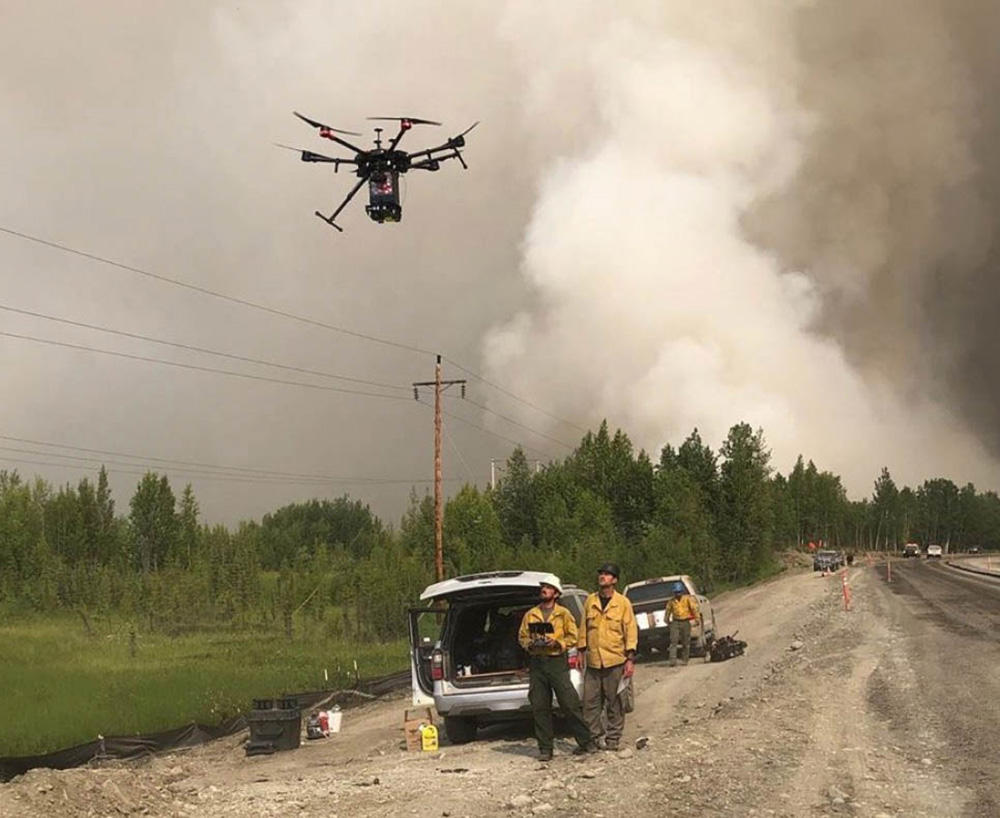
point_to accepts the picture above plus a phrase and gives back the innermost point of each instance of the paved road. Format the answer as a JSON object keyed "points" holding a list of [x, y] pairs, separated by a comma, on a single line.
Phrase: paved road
{"points": [[950, 625], [982, 563]]}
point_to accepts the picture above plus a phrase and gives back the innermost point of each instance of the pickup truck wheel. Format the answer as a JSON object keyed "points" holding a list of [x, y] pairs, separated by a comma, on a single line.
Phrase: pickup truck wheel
{"points": [[460, 729]]}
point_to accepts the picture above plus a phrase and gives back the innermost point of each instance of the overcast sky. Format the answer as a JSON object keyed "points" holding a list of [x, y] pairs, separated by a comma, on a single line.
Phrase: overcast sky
{"points": [[673, 216]]}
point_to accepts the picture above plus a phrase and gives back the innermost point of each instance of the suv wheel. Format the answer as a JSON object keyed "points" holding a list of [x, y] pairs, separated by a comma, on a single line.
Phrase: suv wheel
{"points": [[460, 729]]}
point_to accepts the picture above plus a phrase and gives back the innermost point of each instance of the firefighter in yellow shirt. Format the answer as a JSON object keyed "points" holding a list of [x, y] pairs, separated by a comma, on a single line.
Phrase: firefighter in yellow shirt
{"points": [[682, 610], [547, 632], [609, 637]]}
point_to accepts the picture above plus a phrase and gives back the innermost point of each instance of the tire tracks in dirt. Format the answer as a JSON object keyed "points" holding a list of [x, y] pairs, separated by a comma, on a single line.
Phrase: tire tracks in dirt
{"points": [[852, 722]]}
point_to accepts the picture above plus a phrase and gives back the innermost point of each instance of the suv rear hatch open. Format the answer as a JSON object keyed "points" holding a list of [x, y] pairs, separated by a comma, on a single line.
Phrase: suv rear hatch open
{"points": [[476, 619]]}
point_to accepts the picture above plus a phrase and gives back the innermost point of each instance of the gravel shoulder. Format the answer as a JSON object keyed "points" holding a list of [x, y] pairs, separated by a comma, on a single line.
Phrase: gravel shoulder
{"points": [[886, 709]]}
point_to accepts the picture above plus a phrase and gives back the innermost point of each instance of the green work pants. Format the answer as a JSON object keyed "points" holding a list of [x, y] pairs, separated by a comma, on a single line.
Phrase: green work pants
{"points": [[680, 634], [602, 706], [550, 675]]}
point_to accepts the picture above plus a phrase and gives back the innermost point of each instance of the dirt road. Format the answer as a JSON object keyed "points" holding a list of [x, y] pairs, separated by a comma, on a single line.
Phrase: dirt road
{"points": [[887, 709]]}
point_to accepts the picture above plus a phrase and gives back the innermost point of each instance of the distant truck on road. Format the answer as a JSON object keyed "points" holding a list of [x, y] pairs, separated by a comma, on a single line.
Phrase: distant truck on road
{"points": [[911, 549]]}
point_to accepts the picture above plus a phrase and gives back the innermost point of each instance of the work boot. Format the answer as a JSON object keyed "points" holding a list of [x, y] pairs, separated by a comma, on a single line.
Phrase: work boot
{"points": [[611, 746], [673, 663], [544, 755], [589, 747], [685, 662]]}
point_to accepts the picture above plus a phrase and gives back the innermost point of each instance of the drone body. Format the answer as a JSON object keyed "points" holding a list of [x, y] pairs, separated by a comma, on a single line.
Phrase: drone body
{"points": [[381, 167]]}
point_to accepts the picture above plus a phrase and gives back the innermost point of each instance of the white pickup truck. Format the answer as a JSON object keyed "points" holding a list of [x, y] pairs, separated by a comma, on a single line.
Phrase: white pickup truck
{"points": [[649, 601]]}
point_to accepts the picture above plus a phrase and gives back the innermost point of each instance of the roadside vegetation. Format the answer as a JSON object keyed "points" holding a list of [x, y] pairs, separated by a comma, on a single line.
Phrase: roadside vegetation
{"points": [[64, 686], [116, 622]]}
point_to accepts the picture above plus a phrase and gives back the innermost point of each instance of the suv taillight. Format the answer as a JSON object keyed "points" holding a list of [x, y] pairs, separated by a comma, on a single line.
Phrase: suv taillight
{"points": [[437, 665]]}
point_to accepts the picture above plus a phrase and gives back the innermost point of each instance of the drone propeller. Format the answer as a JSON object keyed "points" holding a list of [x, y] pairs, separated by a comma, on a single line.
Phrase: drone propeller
{"points": [[314, 157], [323, 127], [463, 133], [413, 120]]}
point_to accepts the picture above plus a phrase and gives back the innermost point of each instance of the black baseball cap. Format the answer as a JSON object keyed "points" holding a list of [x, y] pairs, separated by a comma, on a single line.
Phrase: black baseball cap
{"points": [[609, 568]]}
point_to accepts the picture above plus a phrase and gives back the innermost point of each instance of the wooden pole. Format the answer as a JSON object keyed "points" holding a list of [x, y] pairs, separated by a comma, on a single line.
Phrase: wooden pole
{"points": [[439, 386], [438, 478]]}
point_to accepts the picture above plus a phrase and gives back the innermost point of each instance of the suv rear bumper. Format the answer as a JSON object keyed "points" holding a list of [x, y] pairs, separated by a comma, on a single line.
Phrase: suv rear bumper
{"points": [[510, 701]]}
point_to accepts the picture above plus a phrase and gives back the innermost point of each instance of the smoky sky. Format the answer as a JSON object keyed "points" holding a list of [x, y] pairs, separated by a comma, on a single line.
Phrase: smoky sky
{"points": [[674, 216]]}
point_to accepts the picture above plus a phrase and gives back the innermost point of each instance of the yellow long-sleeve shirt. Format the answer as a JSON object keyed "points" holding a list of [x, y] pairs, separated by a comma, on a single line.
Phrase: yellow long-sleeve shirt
{"points": [[684, 608], [563, 626], [609, 634]]}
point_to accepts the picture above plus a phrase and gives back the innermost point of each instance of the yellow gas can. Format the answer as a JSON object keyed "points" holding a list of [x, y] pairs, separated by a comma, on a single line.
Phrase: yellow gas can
{"points": [[429, 738]]}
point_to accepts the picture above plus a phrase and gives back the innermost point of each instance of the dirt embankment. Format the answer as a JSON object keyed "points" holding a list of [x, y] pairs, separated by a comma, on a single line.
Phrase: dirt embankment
{"points": [[857, 719]]}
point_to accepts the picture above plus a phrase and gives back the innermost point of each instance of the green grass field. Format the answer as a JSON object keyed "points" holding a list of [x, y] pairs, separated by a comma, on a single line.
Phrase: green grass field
{"points": [[63, 687]]}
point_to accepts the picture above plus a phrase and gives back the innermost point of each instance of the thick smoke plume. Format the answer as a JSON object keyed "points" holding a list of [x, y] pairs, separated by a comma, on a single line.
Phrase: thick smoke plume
{"points": [[755, 226], [677, 214]]}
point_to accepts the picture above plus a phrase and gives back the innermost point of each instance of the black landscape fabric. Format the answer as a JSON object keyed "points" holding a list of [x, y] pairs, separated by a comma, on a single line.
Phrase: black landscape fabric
{"points": [[130, 747]]}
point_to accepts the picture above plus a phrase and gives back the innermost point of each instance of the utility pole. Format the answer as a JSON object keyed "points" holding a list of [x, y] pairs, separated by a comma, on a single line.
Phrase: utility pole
{"points": [[439, 386]]}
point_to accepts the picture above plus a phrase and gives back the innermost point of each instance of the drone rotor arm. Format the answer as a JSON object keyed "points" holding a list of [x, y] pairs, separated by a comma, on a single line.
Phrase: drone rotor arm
{"points": [[452, 144], [426, 153], [426, 164], [312, 156], [434, 157]]}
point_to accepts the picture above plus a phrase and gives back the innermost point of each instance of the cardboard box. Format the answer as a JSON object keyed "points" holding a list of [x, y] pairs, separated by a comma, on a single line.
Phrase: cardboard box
{"points": [[412, 719]]}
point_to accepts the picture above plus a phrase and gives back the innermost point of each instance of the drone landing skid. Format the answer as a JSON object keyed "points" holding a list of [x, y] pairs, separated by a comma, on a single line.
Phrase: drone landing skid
{"points": [[330, 222]]}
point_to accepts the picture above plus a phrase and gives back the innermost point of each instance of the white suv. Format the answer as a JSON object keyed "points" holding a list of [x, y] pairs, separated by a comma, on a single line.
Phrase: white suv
{"points": [[934, 552], [465, 658]]}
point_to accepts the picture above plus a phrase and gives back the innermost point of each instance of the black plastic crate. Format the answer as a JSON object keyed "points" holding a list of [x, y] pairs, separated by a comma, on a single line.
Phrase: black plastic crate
{"points": [[282, 729]]}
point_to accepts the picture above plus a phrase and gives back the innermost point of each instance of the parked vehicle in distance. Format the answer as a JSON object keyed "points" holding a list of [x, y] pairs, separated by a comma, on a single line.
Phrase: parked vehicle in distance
{"points": [[464, 655], [911, 549], [828, 560], [649, 602], [934, 552], [974, 549]]}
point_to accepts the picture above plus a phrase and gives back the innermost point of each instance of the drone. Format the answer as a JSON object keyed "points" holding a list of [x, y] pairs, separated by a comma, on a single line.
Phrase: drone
{"points": [[381, 167]]}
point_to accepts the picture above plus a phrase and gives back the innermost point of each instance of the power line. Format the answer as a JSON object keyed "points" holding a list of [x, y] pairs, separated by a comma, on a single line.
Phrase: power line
{"points": [[246, 359], [510, 394], [207, 476], [249, 376], [458, 451], [199, 368], [170, 462], [281, 313], [474, 425], [213, 293], [191, 348], [197, 471], [518, 423]]}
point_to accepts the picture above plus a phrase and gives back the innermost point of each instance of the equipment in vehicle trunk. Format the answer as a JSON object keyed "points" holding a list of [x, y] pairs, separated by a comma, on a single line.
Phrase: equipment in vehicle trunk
{"points": [[465, 656]]}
